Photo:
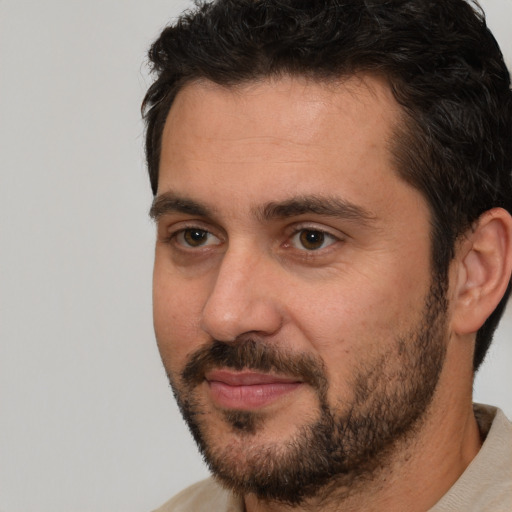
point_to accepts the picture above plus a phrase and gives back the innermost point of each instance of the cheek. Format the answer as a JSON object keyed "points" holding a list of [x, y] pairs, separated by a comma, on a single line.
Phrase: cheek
{"points": [[358, 320], [353, 309], [176, 314]]}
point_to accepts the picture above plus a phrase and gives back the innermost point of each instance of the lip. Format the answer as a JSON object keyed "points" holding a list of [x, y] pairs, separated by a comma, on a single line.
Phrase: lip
{"points": [[248, 390]]}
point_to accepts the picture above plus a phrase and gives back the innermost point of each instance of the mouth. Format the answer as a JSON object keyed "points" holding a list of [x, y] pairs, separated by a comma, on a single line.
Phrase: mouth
{"points": [[246, 390]]}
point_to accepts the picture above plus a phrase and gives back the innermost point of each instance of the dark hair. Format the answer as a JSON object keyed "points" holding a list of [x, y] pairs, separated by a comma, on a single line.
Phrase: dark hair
{"points": [[442, 63]]}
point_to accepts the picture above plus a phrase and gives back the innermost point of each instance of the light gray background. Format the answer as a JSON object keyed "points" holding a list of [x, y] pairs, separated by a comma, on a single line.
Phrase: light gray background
{"points": [[87, 422]]}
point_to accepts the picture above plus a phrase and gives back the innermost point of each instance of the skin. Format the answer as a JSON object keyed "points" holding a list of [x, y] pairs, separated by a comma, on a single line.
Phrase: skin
{"points": [[233, 151]]}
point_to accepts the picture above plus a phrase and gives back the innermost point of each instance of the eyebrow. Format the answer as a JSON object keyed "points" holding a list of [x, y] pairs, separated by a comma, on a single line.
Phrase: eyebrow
{"points": [[169, 202], [320, 205]]}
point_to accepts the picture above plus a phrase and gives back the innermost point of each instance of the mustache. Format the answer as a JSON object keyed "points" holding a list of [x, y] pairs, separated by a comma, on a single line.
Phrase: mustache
{"points": [[254, 355]]}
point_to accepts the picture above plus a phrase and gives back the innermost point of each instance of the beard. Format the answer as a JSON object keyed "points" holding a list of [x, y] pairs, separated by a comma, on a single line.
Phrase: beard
{"points": [[346, 444]]}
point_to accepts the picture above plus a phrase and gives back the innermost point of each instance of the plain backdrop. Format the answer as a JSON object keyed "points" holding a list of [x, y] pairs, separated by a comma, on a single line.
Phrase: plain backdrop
{"points": [[87, 421]]}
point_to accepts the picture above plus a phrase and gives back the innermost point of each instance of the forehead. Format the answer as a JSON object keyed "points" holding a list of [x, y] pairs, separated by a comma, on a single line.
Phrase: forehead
{"points": [[266, 140]]}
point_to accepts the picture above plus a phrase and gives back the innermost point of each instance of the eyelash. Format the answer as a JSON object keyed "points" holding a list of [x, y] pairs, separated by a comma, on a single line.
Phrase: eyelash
{"points": [[172, 237], [300, 231], [325, 236], [205, 232]]}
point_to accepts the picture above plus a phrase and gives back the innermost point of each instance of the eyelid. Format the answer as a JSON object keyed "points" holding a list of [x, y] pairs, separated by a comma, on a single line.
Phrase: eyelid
{"points": [[313, 226], [326, 241], [178, 239], [177, 228], [332, 233]]}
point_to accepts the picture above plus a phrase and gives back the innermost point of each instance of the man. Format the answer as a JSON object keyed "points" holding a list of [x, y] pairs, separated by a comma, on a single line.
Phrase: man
{"points": [[333, 191]]}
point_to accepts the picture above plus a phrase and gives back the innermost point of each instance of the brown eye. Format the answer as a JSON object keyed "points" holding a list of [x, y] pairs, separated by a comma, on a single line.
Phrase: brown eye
{"points": [[196, 237], [312, 239]]}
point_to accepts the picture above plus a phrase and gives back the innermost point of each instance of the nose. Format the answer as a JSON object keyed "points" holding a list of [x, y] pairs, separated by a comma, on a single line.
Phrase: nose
{"points": [[243, 298]]}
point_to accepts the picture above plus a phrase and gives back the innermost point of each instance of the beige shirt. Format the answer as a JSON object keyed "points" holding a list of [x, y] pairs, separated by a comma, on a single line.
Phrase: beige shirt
{"points": [[485, 486]]}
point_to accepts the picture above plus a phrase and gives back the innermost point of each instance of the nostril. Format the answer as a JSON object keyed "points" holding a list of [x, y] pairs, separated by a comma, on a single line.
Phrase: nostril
{"points": [[228, 321]]}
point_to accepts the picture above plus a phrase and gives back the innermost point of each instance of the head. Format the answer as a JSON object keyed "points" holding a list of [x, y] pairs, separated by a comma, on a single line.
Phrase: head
{"points": [[415, 96], [442, 63]]}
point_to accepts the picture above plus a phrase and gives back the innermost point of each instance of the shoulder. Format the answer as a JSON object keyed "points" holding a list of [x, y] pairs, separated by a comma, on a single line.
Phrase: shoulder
{"points": [[203, 496], [486, 485]]}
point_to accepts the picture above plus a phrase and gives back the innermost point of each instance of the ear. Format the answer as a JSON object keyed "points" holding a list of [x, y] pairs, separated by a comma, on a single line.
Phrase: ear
{"points": [[482, 272]]}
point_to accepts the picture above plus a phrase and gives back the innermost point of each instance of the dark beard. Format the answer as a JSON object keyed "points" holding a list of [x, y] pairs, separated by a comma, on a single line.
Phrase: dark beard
{"points": [[391, 394]]}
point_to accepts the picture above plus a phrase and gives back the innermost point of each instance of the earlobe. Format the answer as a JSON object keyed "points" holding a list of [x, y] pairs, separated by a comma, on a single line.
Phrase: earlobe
{"points": [[483, 270]]}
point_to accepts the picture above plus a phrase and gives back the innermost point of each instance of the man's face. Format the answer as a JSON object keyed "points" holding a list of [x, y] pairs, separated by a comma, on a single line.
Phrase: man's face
{"points": [[294, 305]]}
